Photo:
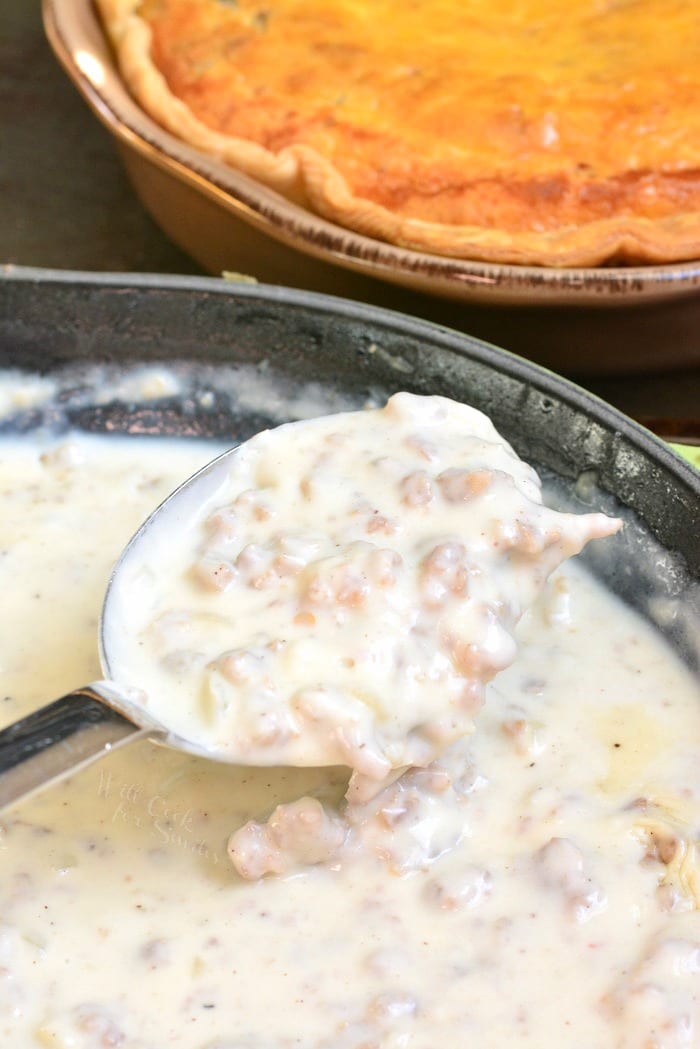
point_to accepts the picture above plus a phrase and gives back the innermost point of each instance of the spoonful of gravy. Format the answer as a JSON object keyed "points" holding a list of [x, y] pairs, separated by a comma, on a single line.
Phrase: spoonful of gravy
{"points": [[336, 591]]}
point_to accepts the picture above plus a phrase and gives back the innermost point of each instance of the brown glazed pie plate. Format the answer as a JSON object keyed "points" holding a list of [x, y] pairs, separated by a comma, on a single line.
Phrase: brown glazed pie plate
{"points": [[581, 321]]}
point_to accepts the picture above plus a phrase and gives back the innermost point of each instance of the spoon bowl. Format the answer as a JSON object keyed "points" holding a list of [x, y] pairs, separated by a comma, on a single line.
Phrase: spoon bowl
{"points": [[301, 655]]}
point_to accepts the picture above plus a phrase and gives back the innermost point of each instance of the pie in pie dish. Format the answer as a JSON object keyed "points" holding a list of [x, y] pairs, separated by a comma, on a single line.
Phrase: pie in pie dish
{"points": [[518, 131]]}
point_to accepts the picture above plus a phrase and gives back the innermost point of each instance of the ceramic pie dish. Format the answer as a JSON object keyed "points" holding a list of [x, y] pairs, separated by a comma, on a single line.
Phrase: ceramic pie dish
{"points": [[228, 220]]}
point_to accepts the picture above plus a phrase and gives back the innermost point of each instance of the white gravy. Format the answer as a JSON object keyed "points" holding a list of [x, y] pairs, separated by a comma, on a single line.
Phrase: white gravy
{"points": [[345, 593], [538, 887]]}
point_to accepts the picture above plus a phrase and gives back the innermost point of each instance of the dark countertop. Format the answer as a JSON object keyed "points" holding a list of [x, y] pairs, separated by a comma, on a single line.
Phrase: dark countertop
{"points": [[65, 201]]}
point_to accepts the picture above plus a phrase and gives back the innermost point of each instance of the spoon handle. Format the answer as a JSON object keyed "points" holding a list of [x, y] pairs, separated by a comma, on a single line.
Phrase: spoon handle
{"points": [[57, 740]]}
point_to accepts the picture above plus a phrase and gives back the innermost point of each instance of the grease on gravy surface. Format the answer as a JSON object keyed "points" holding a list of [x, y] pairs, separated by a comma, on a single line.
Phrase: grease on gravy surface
{"points": [[537, 887]]}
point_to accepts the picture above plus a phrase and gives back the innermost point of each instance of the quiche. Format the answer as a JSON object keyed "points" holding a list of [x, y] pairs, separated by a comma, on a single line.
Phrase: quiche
{"points": [[518, 131]]}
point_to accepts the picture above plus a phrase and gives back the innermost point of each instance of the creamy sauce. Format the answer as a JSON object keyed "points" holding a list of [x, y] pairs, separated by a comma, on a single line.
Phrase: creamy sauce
{"points": [[346, 591], [537, 887]]}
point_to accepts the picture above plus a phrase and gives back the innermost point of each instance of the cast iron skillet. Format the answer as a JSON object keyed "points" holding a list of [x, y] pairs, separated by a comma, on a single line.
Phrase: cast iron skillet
{"points": [[247, 356]]}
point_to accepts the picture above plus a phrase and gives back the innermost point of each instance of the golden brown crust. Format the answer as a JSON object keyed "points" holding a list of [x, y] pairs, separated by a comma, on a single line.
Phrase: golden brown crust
{"points": [[563, 140]]}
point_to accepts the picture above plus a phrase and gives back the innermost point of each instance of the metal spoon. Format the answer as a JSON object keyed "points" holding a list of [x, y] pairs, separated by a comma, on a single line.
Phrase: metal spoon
{"points": [[89, 722]]}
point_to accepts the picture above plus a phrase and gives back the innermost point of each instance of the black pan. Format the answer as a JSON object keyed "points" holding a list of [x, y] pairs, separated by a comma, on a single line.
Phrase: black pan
{"points": [[249, 356]]}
